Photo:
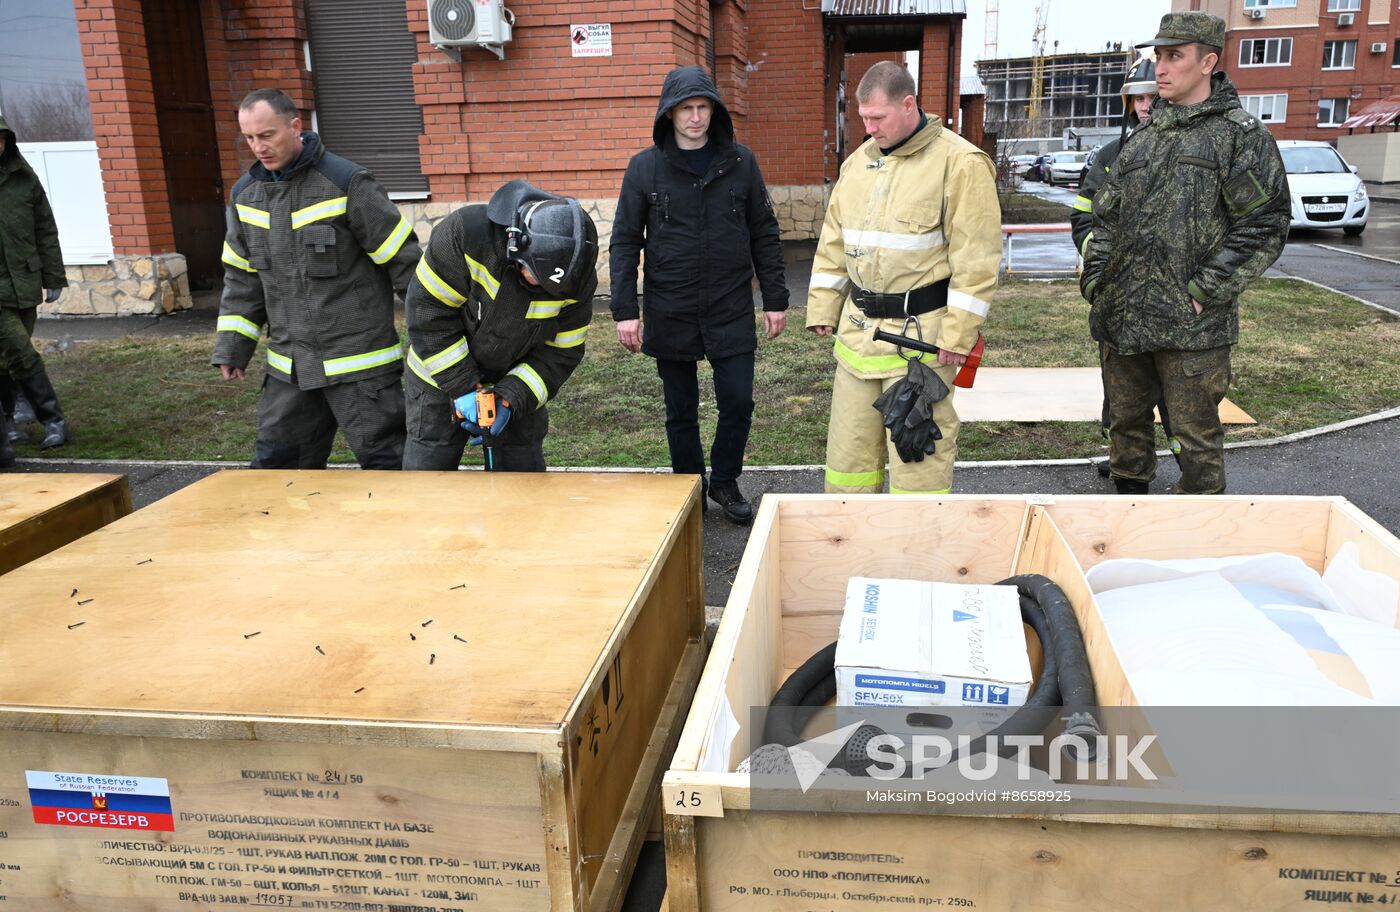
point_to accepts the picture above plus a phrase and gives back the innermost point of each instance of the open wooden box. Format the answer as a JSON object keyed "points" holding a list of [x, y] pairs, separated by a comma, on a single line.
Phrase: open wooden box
{"points": [[786, 603], [42, 512], [350, 690]]}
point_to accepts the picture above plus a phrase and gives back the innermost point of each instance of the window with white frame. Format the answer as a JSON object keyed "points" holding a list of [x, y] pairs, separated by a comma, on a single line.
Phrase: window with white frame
{"points": [[1260, 4], [1343, 6], [1268, 108], [1267, 52], [1395, 52], [1332, 111], [1339, 55]]}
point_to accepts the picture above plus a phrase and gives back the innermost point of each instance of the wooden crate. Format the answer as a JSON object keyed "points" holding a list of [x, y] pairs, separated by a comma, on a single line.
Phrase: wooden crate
{"points": [[40, 513], [361, 690], [725, 855]]}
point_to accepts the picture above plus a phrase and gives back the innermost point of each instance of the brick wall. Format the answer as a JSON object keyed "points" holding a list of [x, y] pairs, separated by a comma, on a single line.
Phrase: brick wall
{"points": [[939, 55], [113, 39], [567, 123], [792, 92]]}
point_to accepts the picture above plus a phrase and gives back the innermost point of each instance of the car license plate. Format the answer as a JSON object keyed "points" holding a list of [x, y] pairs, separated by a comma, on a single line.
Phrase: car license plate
{"points": [[1320, 208]]}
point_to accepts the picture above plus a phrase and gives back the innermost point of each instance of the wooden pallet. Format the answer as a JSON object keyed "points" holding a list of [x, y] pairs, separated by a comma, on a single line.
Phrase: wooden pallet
{"points": [[40, 513], [446, 690], [727, 853]]}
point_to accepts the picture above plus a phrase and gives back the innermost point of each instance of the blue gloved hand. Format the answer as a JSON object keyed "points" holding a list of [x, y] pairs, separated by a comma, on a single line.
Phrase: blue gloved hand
{"points": [[464, 410]]}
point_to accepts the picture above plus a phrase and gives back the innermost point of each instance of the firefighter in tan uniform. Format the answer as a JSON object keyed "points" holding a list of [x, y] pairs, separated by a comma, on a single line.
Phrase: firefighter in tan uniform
{"points": [[911, 244]]}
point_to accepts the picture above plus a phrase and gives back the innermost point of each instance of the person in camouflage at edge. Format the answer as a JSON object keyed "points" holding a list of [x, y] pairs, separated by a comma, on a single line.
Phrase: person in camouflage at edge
{"points": [[1196, 208]]}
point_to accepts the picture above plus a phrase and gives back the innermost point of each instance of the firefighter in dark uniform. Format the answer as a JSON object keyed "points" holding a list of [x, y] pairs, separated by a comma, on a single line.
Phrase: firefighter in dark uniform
{"points": [[315, 252], [30, 262], [500, 301]]}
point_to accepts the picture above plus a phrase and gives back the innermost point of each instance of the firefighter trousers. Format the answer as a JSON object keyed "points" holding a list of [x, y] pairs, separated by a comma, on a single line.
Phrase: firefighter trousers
{"points": [[436, 440], [296, 427], [858, 445]]}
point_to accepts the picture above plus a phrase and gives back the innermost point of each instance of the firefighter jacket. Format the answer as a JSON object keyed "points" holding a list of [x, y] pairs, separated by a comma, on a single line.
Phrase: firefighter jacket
{"points": [[315, 254], [1197, 207], [704, 234], [924, 213], [472, 319], [1081, 220], [30, 258]]}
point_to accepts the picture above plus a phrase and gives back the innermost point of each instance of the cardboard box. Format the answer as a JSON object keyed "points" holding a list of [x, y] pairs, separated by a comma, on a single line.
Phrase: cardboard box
{"points": [[917, 643]]}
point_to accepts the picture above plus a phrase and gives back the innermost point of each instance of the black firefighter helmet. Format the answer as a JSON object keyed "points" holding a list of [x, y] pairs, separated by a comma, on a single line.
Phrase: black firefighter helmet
{"points": [[549, 235]]}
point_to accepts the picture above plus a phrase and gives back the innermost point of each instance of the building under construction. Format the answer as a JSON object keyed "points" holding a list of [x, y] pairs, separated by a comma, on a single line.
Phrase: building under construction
{"points": [[1077, 92]]}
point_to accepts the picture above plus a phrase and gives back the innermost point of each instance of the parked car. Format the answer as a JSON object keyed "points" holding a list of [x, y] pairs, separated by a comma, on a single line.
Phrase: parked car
{"points": [[1068, 167], [1326, 191]]}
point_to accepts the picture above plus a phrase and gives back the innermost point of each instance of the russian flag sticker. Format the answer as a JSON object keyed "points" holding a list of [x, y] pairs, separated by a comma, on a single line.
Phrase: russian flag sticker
{"points": [[100, 800]]}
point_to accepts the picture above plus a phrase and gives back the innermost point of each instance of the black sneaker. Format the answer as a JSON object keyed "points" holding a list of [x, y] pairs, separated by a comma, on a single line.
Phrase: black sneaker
{"points": [[731, 500]]}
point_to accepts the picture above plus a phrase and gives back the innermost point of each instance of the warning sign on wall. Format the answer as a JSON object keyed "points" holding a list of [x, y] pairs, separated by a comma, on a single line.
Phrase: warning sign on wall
{"points": [[591, 40]]}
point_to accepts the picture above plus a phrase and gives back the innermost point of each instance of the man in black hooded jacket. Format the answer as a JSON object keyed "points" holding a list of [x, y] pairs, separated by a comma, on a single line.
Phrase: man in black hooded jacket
{"points": [[696, 203]]}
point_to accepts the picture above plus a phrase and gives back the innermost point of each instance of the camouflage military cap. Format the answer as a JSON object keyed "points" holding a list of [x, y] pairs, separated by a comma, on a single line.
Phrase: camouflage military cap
{"points": [[1189, 28]]}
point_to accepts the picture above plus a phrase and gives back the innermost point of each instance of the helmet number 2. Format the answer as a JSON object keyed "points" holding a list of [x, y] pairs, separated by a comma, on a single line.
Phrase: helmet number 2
{"points": [[557, 275]]}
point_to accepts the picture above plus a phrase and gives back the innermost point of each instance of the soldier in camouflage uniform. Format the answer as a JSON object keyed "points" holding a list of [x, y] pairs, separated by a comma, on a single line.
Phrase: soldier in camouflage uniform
{"points": [[1196, 208], [31, 267]]}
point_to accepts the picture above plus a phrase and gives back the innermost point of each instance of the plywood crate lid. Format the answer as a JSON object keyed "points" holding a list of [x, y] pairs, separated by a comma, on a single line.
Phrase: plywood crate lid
{"points": [[215, 599], [26, 496]]}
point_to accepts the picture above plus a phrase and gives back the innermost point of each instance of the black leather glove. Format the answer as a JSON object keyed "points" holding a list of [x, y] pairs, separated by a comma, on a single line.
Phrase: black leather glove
{"points": [[52, 295]]}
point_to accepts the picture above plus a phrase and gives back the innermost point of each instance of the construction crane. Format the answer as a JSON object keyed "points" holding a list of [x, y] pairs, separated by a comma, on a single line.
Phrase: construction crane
{"points": [[1042, 12], [989, 31]]}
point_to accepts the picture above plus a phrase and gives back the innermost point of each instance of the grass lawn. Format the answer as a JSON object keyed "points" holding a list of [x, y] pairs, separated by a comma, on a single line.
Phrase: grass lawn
{"points": [[1029, 209], [1307, 358]]}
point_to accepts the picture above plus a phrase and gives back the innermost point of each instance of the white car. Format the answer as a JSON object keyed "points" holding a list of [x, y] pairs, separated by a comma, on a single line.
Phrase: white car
{"points": [[1325, 190], [1068, 167]]}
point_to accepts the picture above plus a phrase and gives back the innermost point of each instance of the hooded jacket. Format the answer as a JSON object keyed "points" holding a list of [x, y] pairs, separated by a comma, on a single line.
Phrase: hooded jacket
{"points": [[924, 213], [1196, 207], [30, 257], [704, 235], [315, 254]]}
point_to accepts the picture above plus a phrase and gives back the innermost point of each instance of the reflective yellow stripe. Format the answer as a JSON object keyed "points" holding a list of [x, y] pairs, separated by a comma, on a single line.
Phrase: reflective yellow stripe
{"points": [[233, 259], [544, 310], [571, 339], [1083, 248], [483, 277], [855, 479], [280, 362], [1083, 204], [436, 286], [328, 209], [894, 490], [258, 218], [872, 363], [420, 369], [351, 363], [533, 380], [240, 325], [447, 357], [393, 243]]}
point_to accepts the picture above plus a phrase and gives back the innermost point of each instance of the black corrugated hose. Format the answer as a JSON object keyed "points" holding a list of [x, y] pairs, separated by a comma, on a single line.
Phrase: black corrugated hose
{"points": [[1065, 680]]}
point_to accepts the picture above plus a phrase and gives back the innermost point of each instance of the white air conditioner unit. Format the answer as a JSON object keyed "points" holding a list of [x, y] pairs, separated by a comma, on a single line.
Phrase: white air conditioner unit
{"points": [[455, 24], [1256, 13], [1346, 18], [1378, 47]]}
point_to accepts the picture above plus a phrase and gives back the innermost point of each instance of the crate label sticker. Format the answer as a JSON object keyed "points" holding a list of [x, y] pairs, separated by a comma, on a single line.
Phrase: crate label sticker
{"points": [[113, 802], [692, 800], [1040, 500]]}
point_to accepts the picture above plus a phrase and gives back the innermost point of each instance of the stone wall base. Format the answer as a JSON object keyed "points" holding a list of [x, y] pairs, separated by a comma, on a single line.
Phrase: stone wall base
{"points": [[127, 286]]}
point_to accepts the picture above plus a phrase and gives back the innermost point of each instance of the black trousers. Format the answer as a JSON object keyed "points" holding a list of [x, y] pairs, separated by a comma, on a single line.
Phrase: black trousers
{"points": [[734, 398], [296, 427]]}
